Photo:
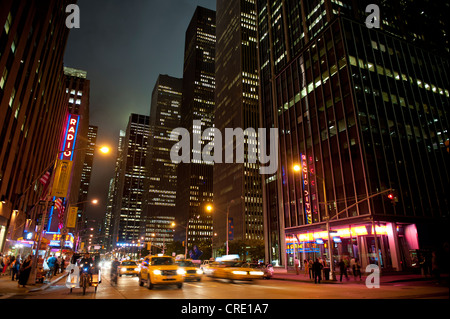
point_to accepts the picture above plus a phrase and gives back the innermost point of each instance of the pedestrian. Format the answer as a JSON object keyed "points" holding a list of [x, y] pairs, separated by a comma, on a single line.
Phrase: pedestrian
{"points": [[15, 269], [343, 269], [311, 270], [317, 267], [25, 271], [51, 262], [11, 265], [297, 264], [357, 269], [56, 267], [6, 262], [306, 266], [63, 264]]}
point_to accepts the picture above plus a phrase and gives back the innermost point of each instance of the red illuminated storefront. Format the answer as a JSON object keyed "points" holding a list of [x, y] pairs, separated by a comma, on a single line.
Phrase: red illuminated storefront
{"points": [[397, 244]]}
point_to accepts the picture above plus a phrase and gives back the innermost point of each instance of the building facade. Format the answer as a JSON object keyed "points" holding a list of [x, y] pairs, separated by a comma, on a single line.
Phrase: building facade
{"points": [[164, 118], [129, 218], [237, 186], [33, 38], [362, 112], [77, 94], [195, 179]]}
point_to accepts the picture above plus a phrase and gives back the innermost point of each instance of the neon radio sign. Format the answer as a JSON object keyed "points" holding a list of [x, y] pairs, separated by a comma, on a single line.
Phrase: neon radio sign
{"points": [[70, 137]]}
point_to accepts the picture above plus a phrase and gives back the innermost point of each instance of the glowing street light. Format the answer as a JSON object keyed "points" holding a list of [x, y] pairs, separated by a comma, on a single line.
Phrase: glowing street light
{"points": [[105, 150]]}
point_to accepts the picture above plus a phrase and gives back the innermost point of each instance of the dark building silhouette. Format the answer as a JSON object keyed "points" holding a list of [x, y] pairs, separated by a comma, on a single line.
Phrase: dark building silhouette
{"points": [[237, 186], [33, 38], [128, 215], [195, 179]]}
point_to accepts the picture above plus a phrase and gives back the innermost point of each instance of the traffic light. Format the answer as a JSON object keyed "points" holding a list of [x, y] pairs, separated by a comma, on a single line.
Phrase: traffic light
{"points": [[392, 197]]}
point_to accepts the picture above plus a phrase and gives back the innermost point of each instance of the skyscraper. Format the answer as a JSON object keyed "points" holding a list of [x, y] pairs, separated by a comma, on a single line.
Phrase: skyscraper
{"points": [[237, 185], [161, 189], [129, 219], [195, 179], [164, 118], [112, 223], [88, 163], [361, 113], [33, 38]]}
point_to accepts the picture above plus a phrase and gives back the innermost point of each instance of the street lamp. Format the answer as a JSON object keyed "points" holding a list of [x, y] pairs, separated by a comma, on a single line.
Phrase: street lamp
{"points": [[186, 240], [210, 208]]}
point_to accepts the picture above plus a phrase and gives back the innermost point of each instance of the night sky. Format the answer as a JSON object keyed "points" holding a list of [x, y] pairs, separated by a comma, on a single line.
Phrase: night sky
{"points": [[124, 46]]}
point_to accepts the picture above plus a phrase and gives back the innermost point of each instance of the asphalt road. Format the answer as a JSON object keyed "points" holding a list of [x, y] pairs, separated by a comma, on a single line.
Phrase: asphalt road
{"points": [[217, 289]]}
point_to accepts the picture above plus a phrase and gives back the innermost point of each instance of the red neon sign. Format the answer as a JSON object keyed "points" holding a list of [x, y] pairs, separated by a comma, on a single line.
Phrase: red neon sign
{"points": [[70, 137]]}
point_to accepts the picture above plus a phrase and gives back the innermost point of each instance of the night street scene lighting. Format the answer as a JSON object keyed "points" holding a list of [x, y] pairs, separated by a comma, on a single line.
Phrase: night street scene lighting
{"points": [[225, 157]]}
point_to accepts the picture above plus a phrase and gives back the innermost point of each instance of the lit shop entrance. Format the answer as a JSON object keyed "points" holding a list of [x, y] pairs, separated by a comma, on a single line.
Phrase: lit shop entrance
{"points": [[395, 245]]}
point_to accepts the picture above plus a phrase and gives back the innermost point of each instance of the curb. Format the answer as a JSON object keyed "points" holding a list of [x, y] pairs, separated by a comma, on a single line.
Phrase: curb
{"points": [[306, 281], [49, 284]]}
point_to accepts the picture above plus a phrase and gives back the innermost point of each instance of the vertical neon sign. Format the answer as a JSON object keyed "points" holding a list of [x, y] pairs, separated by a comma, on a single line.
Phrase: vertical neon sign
{"points": [[306, 195], [68, 148], [70, 138]]}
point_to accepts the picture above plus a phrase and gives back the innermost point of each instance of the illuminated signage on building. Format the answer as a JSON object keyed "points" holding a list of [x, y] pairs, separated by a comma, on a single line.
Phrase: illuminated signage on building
{"points": [[338, 234], [70, 137], [306, 195], [55, 239]]}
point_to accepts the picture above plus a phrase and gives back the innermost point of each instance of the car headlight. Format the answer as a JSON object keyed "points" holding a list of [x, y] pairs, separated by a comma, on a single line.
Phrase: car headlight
{"points": [[256, 273], [239, 272], [157, 272], [181, 272], [124, 269], [136, 269], [199, 272]]}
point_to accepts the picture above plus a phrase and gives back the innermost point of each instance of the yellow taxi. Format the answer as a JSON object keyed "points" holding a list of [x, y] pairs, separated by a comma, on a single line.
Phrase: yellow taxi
{"points": [[210, 268], [190, 270], [236, 270], [128, 267], [160, 270]]}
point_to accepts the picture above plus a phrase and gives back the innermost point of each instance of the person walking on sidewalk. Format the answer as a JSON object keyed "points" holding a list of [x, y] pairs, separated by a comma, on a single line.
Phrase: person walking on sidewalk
{"points": [[311, 269], [297, 265], [357, 269], [15, 269], [63, 264], [25, 271], [51, 262], [343, 270], [306, 265], [6, 262], [317, 270]]}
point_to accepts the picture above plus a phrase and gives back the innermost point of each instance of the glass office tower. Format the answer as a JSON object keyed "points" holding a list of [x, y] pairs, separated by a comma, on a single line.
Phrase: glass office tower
{"points": [[360, 111]]}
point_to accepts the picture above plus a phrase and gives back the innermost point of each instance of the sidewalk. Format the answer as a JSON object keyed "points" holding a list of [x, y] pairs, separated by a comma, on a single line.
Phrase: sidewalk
{"points": [[282, 274], [9, 287]]}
